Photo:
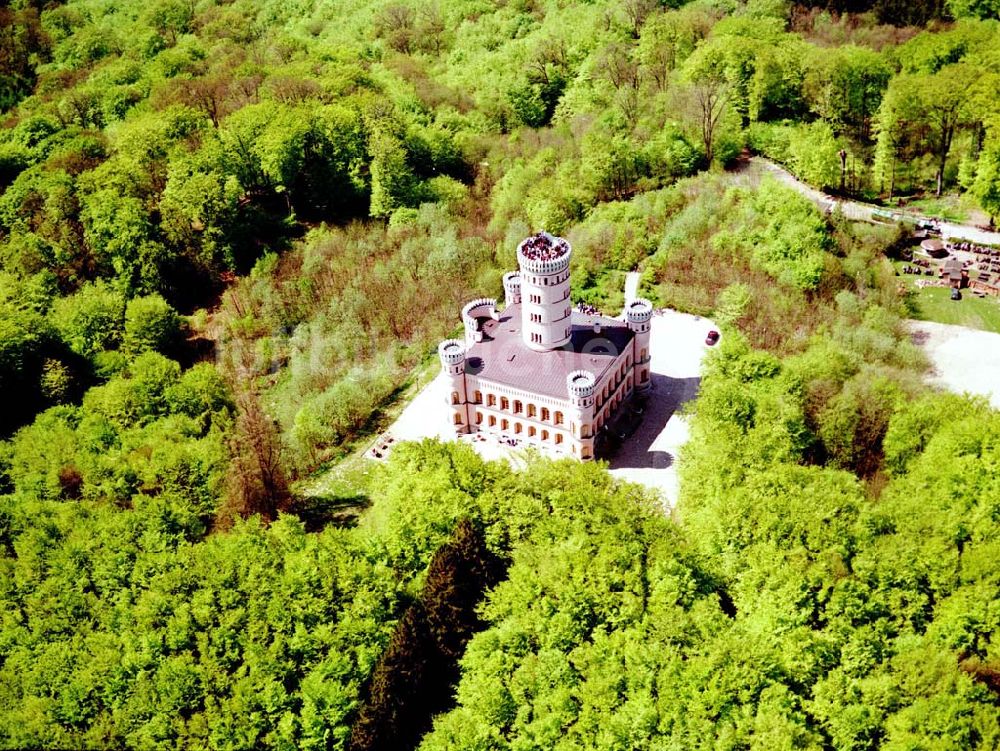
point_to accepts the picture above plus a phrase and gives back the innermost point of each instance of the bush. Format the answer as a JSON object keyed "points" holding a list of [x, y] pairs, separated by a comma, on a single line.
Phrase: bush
{"points": [[150, 324]]}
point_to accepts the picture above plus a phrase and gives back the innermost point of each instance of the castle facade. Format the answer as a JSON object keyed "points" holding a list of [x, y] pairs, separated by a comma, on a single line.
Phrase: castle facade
{"points": [[540, 371]]}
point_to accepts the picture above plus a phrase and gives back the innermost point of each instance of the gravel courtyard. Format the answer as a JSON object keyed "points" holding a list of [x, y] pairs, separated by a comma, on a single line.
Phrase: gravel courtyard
{"points": [[963, 359], [650, 456]]}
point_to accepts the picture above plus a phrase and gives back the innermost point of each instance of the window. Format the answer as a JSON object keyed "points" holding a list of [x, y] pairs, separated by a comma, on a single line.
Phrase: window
{"points": [[584, 430], [454, 397], [491, 400], [545, 414], [558, 438], [559, 418], [531, 410], [479, 417], [504, 425], [517, 428], [531, 431], [517, 406], [457, 419], [536, 317], [642, 354], [479, 397], [493, 421], [504, 403], [545, 435], [645, 376]]}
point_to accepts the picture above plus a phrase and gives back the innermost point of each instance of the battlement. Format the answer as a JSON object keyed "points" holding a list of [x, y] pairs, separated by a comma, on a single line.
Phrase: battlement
{"points": [[451, 352], [473, 314], [580, 384], [543, 254], [639, 310]]}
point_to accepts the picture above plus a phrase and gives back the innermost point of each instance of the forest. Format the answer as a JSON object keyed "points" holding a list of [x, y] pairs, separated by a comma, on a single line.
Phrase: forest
{"points": [[231, 234]]}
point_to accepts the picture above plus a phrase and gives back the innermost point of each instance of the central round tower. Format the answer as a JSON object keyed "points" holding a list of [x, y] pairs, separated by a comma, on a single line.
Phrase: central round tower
{"points": [[545, 306]]}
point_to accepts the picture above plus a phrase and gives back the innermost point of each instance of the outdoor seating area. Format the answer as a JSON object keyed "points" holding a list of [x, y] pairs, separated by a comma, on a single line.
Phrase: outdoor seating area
{"points": [[918, 267], [382, 447]]}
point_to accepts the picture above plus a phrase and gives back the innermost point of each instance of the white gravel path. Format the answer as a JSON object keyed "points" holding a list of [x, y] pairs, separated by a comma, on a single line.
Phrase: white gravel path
{"points": [[964, 360]]}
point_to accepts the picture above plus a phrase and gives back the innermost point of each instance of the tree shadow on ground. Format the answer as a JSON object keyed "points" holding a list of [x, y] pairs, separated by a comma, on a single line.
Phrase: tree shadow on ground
{"points": [[666, 396], [316, 512]]}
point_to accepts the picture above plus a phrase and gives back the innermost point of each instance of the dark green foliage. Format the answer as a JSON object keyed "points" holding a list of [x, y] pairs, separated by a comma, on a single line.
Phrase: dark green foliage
{"points": [[414, 678]]}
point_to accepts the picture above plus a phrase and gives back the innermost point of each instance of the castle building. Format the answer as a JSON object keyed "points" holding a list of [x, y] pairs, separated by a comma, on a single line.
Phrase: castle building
{"points": [[539, 370]]}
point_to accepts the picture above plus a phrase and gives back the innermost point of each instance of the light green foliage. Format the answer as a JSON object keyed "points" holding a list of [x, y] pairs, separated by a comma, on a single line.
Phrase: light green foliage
{"points": [[150, 324], [974, 8], [90, 320], [846, 85], [784, 235], [814, 154]]}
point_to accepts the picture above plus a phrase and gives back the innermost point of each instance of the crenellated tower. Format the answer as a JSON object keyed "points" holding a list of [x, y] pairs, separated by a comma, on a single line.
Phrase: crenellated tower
{"points": [[512, 288], [452, 355], [638, 316], [545, 305], [474, 315], [580, 387]]}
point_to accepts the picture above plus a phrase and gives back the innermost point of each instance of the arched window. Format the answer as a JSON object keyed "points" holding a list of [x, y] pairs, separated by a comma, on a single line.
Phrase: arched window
{"points": [[454, 397], [545, 414], [504, 425], [491, 400], [642, 354], [559, 418], [545, 435], [493, 421], [479, 417], [479, 396], [531, 431], [517, 406], [645, 376], [517, 428], [558, 438], [531, 410], [457, 419], [504, 403]]}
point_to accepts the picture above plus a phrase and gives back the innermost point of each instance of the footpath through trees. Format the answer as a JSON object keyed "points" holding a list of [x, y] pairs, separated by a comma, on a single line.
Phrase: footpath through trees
{"points": [[863, 212]]}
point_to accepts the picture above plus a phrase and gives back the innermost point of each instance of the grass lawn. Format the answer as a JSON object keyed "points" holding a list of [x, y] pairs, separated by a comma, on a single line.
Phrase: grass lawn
{"points": [[934, 304]]}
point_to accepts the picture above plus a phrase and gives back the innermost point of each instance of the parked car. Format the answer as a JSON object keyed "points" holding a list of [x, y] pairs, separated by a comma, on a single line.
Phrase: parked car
{"points": [[955, 294], [712, 338]]}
